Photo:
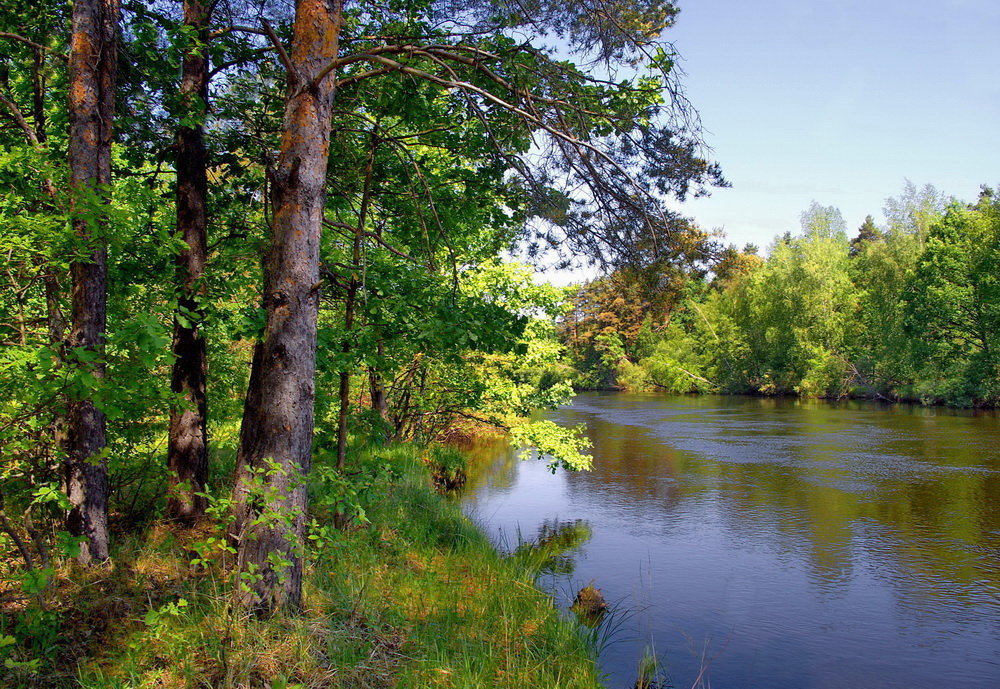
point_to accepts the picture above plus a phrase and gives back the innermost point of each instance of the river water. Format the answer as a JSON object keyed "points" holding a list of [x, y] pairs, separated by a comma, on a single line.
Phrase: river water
{"points": [[773, 543]]}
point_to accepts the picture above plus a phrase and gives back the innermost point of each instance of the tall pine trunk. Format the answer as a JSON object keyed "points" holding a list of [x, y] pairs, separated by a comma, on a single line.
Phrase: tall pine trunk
{"points": [[276, 443], [187, 448], [92, 73]]}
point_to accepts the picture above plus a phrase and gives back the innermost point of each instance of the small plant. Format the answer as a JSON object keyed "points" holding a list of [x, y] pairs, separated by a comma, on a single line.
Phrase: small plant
{"points": [[650, 674], [8, 647], [30, 637], [449, 467], [159, 617], [345, 496]]}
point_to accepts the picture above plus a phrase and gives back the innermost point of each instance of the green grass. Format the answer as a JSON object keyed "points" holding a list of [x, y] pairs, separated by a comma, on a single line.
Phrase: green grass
{"points": [[417, 597]]}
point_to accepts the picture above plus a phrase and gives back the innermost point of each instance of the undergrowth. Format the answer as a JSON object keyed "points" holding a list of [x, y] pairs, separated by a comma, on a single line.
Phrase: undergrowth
{"points": [[409, 594]]}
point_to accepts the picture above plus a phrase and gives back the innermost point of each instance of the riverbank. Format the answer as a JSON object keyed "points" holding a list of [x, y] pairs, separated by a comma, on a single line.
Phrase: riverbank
{"points": [[874, 396], [410, 595]]}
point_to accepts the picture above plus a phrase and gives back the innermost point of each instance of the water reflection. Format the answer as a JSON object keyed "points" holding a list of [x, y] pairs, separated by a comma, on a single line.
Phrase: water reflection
{"points": [[816, 545], [551, 551]]}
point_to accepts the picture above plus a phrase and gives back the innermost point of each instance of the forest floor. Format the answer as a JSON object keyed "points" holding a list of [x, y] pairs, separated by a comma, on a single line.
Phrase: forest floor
{"points": [[412, 594]]}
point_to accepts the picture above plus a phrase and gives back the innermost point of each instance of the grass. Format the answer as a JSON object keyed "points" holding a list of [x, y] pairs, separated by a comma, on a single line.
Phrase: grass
{"points": [[417, 597]]}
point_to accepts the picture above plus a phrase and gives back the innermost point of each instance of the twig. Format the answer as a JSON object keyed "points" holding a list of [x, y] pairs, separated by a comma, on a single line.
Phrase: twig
{"points": [[9, 528], [36, 46]]}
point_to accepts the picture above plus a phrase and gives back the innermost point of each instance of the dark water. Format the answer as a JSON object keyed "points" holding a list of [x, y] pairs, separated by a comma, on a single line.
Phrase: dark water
{"points": [[775, 543]]}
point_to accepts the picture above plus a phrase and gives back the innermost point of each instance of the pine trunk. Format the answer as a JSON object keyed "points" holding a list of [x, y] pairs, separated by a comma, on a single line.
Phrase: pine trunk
{"points": [[276, 443], [187, 447], [92, 73]]}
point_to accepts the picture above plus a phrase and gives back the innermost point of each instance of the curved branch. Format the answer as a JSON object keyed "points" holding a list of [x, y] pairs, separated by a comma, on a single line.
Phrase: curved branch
{"points": [[36, 46], [276, 42]]}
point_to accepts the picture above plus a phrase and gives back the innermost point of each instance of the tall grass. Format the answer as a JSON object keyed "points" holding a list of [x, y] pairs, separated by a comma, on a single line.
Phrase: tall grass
{"points": [[416, 597]]}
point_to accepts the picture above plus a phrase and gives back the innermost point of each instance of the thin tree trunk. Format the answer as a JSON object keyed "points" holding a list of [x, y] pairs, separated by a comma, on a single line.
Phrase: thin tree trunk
{"points": [[38, 95], [37, 136], [276, 445], [187, 446], [345, 376], [92, 73], [57, 332], [376, 387], [349, 307]]}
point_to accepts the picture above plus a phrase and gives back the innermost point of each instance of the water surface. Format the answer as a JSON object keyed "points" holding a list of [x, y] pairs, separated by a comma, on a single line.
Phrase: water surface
{"points": [[775, 543]]}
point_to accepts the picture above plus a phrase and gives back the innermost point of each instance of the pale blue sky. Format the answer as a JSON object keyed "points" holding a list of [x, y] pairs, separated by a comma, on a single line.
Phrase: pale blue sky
{"points": [[839, 102]]}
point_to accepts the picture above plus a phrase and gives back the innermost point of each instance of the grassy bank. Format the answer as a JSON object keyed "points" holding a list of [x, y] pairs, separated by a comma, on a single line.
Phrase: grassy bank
{"points": [[412, 595]]}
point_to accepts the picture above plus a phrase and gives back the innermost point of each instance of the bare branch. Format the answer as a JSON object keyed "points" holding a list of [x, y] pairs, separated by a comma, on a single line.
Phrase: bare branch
{"points": [[18, 117], [36, 46], [12, 532], [285, 60], [232, 63]]}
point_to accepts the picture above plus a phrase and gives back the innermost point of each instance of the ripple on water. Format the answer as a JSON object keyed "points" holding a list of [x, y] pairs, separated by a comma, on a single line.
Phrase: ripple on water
{"points": [[800, 545]]}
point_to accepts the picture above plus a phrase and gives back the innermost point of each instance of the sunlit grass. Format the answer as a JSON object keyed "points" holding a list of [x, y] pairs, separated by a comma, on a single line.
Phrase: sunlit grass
{"points": [[416, 598]]}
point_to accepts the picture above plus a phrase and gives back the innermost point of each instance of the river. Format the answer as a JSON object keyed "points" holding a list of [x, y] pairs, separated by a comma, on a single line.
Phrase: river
{"points": [[773, 544]]}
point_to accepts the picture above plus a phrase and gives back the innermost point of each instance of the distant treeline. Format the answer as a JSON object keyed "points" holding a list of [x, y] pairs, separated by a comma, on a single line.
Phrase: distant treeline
{"points": [[908, 309]]}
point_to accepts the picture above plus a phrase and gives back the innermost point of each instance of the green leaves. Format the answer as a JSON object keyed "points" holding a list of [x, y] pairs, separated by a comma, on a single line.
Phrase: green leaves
{"points": [[162, 616], [952, 305], [563, 447], [908, 310], [50, 494]]}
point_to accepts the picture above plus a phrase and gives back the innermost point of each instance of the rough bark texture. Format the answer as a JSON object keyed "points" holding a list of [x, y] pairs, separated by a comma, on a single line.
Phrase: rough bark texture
{"points": [[187, 448], [276, 440], [92, 73]]}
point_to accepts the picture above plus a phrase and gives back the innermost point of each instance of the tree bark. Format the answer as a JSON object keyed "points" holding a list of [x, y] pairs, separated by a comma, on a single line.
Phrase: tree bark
{"points": [[276, 444], [92, 74], [376, 387], [187, 446]]}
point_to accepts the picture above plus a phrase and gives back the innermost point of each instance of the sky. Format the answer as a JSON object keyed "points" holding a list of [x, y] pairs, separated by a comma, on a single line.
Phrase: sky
{"points": [[838, 102]]}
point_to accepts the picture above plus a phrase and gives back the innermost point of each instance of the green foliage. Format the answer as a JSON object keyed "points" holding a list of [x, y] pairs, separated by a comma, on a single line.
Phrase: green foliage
{"points": [[416, 303], [563, 447], [903, 311], [776, 330], [349, 494], [952, 306], [679, 363], [476, 344], [615, 321]]}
